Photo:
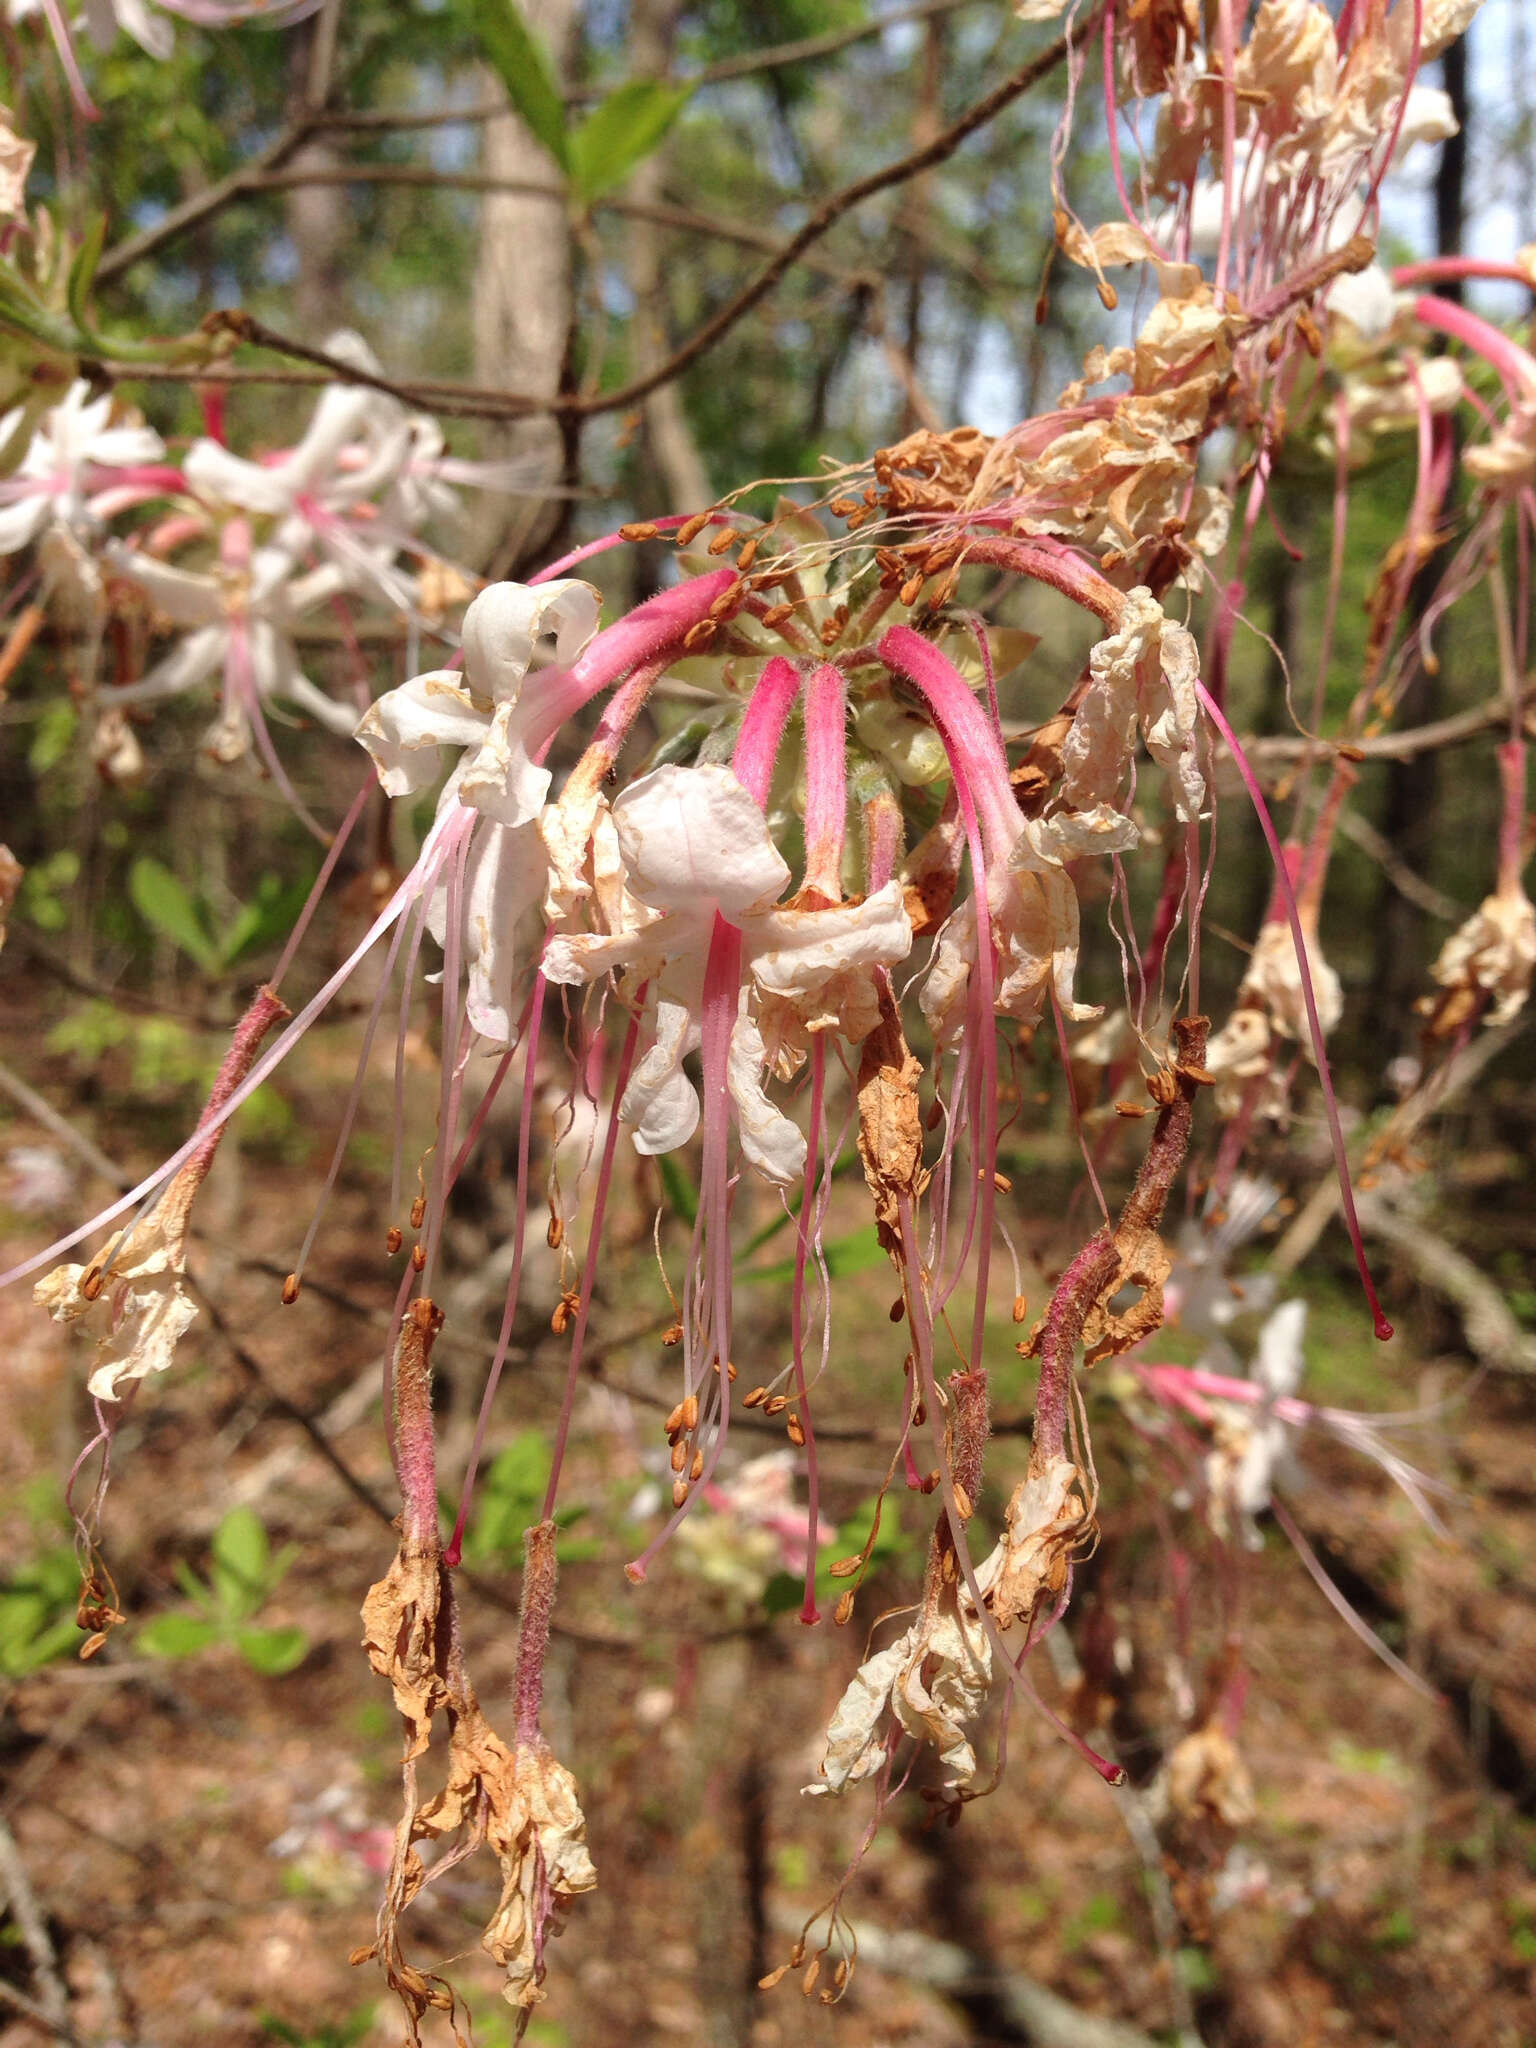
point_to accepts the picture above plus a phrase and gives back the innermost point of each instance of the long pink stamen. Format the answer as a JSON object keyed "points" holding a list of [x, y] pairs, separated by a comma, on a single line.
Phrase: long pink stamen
{"points": [[1298, 938], [804, 1224], [1515, 365]]}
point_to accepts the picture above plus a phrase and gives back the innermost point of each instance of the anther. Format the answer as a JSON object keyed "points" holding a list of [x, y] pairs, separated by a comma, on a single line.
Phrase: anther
{"points": [[1020, 1307], [418, 1212], [748, 554], [290, 1290], [898, 1308], [794, 1429], [639, 529], [696, 1469], [699, 636], [393, 1239], [1130, 1109], [756, 1398], [842, 1613], [680, 1491], [419, 1257], [690, 529]]}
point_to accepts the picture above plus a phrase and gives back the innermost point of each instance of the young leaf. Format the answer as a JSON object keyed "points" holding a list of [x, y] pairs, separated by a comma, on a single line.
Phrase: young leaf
{"points": [[162, 901], [621, 133], [525, 70], [177, 1635], [241, 1570], [272, 1651]]}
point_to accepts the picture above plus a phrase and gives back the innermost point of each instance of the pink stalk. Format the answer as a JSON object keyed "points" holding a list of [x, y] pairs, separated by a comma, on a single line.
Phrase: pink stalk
{"points": [[826, 780], [809, 1614], [654, 628], [616, 539], [762, 727], [1214, 712], [589, 1274], [1515, 365], [978, 763], [1447, 269], [1060, 569], [530, 1049], [979, 776]]}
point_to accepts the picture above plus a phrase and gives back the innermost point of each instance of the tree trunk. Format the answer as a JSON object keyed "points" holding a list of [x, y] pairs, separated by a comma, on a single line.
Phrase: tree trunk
{"points": [[523, 300]]}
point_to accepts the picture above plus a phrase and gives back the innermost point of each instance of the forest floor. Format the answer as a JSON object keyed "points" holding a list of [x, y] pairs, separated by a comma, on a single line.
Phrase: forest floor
{"points": [[202, 1843]]}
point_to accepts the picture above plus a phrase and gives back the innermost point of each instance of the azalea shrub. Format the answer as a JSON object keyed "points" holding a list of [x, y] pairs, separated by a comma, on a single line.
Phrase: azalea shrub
{"points": [[765, 879]]}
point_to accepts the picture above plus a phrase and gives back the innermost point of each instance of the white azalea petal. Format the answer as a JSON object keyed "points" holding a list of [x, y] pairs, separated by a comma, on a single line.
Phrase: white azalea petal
{"points": [[499, 779], [404, 728], [770, 1143], [660, 1101], [506, 621], [225, 479], [692, 837]]}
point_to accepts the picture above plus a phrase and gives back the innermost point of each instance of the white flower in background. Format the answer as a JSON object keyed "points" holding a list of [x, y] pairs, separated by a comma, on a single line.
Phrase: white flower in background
{"points": [[321, 491], [66, 477], [242, 617], [695, 847], [481, 712], [1250, 1438]]}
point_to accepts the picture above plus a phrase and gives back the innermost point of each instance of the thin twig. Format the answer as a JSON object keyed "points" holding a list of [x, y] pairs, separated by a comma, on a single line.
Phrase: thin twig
{"points": [[52, 2003], [472, 401], [43, 1112]]}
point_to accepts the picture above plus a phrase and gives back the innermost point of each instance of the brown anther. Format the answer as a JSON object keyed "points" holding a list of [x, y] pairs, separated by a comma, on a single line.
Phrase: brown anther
{"points": [[748, 554], [673, 1426], [776, 614], [690, 529], [842, 1613], [393, 1239], [841, 507], [794, 1429], [690, 1412], [730, 1370], [554, 1236], [1162, 1087], [919, 1414], [1309, 331], [813, 1971], [1109, 298], [1351, 753], [673, 1334], [855, 520], [699, 636], [846, 1567], [91, 1645], [1002, 1183], [91, 1284], [950, 1568], [829, 632], [722, 540], [840, 1975], [1020, 1307], [963, 1506], [290, 1290], [776, 1404], [1130, 1109], [729, 599], [419, 1257], [773, 1977], [1199, 1077], [679, 1455], [898, 1308], [418, 1212], [680, 1491], [639, 529], [797, 1954], [696, 1469], [930, 1481], [756, 1398], [911, 590]]}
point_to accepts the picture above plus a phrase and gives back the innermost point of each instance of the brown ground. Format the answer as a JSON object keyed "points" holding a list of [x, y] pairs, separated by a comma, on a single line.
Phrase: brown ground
{"points": [[1384, 1891]]}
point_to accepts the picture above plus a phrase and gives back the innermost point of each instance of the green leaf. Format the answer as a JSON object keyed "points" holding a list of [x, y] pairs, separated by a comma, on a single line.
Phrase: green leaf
{"points": [[623, 131], [241, 1564], [177, 1635], [272, 1651], [679, 1189], [163, 902], [525, 70], [855, 1253]]}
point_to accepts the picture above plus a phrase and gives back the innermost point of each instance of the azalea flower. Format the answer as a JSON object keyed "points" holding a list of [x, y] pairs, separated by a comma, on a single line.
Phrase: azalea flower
{"points": [[66, 476], [483, 713], [242, 618], [695, 847]]}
